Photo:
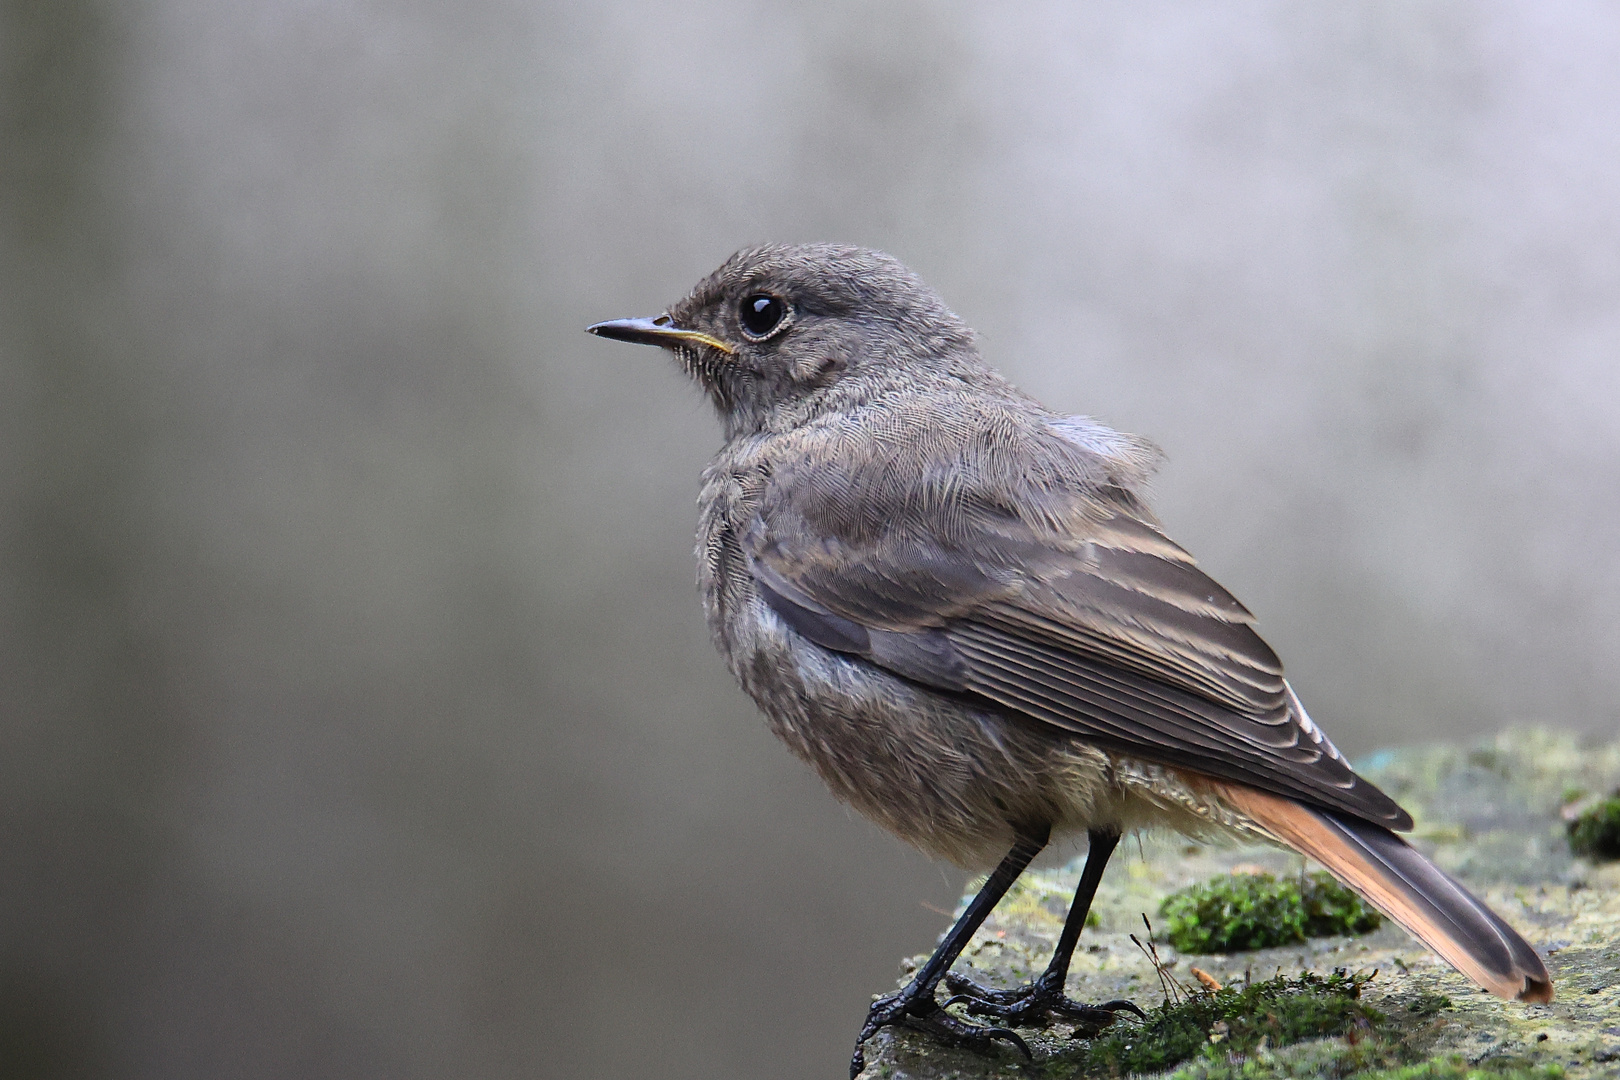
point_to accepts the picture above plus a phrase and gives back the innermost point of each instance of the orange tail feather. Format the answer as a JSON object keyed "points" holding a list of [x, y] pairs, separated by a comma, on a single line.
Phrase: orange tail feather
{"points": [[1396, 880]]}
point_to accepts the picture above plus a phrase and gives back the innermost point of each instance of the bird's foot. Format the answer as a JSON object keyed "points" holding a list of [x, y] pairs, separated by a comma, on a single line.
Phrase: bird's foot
{"points": [[1033, 1005], [915, 1007]]}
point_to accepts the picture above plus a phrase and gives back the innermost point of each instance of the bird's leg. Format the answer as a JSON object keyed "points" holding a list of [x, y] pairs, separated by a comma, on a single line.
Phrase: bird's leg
{"points": [[1029, 1006], [914, 1005]]}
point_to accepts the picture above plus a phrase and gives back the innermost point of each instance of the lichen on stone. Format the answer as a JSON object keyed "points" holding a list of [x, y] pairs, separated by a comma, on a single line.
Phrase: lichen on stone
{"points": [[1337, 1061]]}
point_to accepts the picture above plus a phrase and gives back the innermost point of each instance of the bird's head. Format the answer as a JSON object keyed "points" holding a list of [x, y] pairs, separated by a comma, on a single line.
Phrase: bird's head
{"points": [[783, 329]]}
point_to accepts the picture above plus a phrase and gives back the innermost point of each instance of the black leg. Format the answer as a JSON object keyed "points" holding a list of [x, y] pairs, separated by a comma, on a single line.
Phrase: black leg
{"points": [[914, 1005], [1030, 1005]]}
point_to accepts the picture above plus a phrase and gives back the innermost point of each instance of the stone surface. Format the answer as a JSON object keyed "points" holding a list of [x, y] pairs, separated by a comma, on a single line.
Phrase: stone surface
{"points": [[1488, 814]]}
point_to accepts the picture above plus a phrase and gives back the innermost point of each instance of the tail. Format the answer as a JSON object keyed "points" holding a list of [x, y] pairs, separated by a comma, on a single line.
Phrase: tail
{"points": [[1396, 880]]}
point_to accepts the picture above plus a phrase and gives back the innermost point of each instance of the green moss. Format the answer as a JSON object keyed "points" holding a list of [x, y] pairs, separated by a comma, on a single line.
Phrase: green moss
{"points": [[1257, 911], [1596, 833], [1236, 1020]]}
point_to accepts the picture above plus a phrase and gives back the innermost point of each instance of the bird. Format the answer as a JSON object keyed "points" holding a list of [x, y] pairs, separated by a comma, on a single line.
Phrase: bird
{"points": [[956, 606]]}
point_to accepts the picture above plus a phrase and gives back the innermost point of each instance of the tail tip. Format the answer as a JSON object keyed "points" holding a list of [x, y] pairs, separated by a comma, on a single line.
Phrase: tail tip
{"points": [[1536, 991]]}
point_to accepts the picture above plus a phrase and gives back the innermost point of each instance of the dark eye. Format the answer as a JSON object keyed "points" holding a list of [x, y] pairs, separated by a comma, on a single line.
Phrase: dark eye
{"points": [[761, 314]]}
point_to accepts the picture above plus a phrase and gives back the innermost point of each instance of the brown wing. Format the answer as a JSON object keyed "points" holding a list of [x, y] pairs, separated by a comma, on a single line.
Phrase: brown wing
{"points": [[1079, 613]]}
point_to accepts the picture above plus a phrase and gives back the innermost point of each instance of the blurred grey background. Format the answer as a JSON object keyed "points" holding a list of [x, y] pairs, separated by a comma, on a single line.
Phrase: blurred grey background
{"points": [[358, 715]]}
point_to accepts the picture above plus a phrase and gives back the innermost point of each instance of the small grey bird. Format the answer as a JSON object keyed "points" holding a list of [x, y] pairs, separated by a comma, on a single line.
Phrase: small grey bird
{"points": [[955, 605]]}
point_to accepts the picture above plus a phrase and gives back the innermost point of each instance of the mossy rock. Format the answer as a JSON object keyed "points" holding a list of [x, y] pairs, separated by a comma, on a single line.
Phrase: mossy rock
{"points": [[1240, 912], [1235, 1019], [1595, 834], [1491, 814]]}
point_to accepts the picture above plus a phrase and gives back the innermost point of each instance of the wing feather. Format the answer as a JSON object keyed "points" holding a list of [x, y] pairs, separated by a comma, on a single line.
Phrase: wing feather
{"points": [[1017, 572]]}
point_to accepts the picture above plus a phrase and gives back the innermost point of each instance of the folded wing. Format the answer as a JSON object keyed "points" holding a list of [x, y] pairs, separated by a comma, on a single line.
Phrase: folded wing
{"points": [[1076, 610]]}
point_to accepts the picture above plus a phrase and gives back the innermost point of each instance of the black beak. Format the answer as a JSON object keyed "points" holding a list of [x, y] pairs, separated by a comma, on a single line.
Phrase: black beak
{"points": [[660, 331]]}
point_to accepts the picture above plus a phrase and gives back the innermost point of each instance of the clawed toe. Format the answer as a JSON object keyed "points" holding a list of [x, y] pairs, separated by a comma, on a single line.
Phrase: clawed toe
{"points": [[1032, 1006], [920, 1011], [966, 990], [942, 1025]]}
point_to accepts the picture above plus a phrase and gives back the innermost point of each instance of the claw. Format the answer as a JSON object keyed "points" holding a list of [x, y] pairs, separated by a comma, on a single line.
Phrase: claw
{"points": [[1010, 1036], [915, 1009], [1032, 1005], [951, 1029]]}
